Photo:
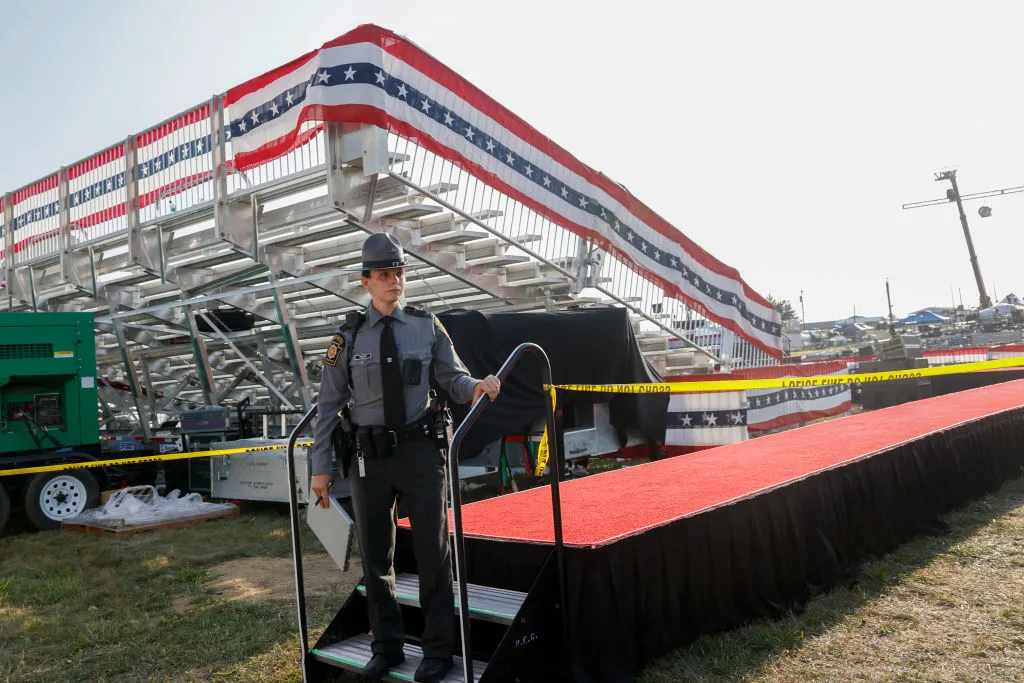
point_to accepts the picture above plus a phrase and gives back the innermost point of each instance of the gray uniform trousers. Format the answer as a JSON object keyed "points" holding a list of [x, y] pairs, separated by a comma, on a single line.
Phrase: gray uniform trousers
{"points": [[415, 473]]}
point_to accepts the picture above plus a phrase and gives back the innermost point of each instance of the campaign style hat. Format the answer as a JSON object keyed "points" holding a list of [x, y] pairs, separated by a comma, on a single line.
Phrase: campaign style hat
{"points": [[382, 250]]}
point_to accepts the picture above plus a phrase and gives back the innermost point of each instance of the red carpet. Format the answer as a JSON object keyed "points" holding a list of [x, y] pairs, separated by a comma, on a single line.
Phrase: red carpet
{"points": [[602, 508]]}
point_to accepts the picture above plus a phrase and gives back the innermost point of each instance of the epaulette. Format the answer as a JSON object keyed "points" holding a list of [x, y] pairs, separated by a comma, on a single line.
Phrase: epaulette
{"points": [[353, 319], [418, 312]]}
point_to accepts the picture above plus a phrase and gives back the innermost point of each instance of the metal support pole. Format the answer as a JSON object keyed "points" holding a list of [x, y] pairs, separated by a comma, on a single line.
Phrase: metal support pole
{"points": [[219, 152], [102, 383], [64, 224], [108, 414], [129, 369], [725, 350], [268, 370], [235, 383], [206, 383], [172, 394], [9, 247], [582, 269], [147, 383], [291, 343], [248, 363]]}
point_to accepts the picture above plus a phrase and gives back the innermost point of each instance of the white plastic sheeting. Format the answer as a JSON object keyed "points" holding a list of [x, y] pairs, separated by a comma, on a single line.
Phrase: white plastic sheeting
{"points": [[143, 505]]}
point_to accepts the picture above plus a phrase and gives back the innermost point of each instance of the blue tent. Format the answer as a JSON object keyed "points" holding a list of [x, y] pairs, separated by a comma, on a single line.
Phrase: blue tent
{"points": [[923, 318]]}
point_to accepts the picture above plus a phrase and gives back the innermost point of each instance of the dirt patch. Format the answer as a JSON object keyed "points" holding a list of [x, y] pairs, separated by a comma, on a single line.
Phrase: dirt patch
{"points": [[182, 603], [271, 579]]}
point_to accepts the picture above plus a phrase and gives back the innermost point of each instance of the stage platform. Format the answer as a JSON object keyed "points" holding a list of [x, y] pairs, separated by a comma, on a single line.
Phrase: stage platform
{"points": [[658, 553]]}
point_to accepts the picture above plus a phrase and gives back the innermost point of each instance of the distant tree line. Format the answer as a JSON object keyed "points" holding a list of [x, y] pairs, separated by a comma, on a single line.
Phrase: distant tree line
{"points": [[784, 308]]}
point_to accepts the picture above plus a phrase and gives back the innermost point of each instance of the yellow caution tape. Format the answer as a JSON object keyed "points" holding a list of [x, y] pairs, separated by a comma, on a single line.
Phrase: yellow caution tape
{"points": [[788, 382], [544, 449], [144, 458]]}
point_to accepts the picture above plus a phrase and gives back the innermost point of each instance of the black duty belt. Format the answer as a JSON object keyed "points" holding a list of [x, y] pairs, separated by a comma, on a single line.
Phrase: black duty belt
{"points": [[381, 439]]}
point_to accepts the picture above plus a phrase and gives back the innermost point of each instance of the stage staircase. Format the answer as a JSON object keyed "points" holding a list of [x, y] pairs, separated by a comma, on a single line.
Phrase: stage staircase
{"points": [[504, 634], [507, 626]]}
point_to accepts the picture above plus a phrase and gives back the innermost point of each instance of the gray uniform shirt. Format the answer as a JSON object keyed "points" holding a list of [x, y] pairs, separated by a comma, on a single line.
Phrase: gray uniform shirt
{"points": [[420, 337]]}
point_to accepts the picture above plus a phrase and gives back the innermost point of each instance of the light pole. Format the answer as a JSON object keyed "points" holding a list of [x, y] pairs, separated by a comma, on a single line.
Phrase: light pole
{"points": [[803, 316]]}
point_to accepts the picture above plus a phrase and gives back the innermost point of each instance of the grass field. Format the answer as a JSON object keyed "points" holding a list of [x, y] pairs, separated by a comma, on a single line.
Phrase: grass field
{"points": [[216, 602]]}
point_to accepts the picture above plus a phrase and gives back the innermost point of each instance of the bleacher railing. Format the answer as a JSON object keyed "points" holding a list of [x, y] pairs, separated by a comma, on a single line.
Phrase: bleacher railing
{"points": [[170, 168]]}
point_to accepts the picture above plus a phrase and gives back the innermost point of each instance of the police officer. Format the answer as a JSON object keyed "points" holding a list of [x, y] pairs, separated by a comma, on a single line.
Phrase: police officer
{"points": [[380, 365]]}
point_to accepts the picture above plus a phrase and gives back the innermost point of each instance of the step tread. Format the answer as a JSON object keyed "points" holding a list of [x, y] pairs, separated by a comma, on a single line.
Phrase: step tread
{"points": [[407, 210], [353, 654], [453, 237], [501, 259], [485, 602]]}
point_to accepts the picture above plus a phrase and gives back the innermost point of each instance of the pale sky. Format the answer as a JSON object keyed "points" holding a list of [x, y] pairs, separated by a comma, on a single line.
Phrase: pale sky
{"points": [[782, 137]]}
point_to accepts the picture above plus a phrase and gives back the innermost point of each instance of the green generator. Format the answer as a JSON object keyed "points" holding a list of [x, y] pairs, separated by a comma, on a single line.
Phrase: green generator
{"points": [[48, 413], [48, 395]]}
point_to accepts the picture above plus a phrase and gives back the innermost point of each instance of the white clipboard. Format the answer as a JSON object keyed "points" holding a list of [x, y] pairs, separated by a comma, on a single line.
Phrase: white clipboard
{"points": [[333, 527]]}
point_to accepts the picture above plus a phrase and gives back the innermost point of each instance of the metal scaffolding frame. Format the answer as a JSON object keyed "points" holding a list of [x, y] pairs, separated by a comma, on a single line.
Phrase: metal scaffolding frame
{"points": [[193, 268]]}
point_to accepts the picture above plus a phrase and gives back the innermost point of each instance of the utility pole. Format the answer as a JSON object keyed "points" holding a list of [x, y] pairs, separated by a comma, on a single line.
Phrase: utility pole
{"points": [[953, 195], [803, 316]]}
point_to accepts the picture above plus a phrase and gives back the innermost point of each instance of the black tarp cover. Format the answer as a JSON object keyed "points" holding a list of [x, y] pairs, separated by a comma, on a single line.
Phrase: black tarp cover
{"points": [[584, 346]]}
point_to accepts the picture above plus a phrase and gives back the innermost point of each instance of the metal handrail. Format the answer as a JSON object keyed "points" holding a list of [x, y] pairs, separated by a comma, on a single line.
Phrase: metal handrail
{"points": [[512, 242], [293, 509], [459, 546]]}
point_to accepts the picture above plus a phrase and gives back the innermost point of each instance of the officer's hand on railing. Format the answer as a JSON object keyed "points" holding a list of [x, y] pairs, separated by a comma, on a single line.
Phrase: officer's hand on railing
{"points": [[321, 485], [490, 385]]}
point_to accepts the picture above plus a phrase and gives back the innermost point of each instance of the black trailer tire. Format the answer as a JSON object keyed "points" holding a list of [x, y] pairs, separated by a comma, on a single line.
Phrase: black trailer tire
{"points": [[5, 508], [51, 497]]}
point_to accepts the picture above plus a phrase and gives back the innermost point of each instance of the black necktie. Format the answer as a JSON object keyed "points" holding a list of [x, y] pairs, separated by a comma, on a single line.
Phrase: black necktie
{"points": [[391, 378]]}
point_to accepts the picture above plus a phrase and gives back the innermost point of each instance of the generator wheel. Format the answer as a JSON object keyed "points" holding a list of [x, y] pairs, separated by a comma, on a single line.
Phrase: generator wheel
{"points": [[5, 508], [52, 497]]}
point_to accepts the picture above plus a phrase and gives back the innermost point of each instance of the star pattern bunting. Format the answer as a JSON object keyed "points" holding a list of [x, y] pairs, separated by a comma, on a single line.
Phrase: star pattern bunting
{"points": [[795, 394], [172, 157], [365, 73], [701, 419], [37, 214]]}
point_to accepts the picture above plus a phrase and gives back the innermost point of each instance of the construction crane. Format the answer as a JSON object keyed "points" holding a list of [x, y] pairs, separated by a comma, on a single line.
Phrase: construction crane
{"points": [[953, 195]]}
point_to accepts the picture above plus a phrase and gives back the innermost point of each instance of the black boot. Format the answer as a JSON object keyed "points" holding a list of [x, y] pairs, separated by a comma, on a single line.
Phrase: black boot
{"points": [[433, 669], [380, 664]]}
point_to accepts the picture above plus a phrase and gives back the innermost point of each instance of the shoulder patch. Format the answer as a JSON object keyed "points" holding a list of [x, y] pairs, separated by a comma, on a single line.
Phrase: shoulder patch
{"points": [[440, 328], [334, 350], [418, 312]]}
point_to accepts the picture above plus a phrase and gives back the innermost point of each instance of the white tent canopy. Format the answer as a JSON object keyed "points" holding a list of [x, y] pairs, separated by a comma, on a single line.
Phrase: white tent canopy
{"points": [[1003, 309]]}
